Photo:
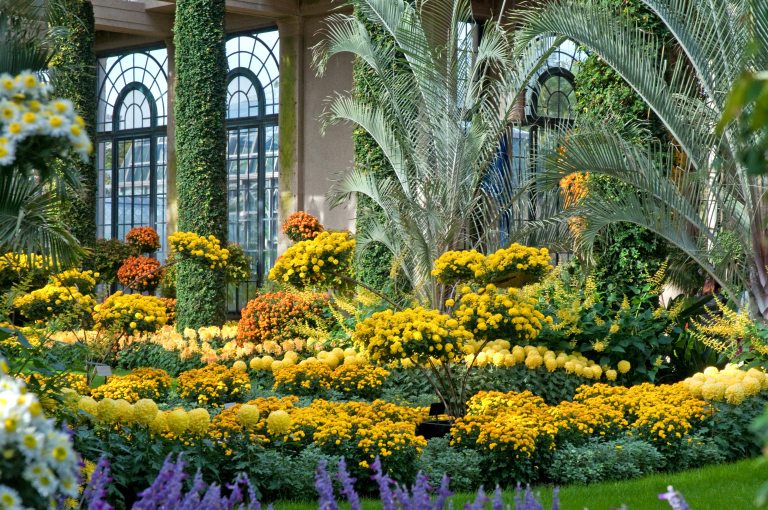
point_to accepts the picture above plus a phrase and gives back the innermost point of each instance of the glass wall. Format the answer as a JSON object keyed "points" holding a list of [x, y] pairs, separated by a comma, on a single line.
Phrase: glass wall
{"points": [[252, 131], [131, 155]]}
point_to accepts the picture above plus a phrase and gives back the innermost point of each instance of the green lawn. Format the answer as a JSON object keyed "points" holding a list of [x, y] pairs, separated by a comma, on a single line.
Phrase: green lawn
{"points": [[719, 487]]}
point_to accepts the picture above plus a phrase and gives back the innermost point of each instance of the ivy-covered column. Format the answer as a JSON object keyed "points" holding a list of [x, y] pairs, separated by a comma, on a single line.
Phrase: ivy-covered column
{"points": [[201, 176], [74, 77]]}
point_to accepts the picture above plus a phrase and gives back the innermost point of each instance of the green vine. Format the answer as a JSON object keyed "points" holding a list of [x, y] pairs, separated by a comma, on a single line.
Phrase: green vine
{"points": [[201, 70], [73, 75]]}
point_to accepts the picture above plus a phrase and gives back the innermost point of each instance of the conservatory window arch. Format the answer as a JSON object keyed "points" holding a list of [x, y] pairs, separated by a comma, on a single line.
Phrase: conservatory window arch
{"points": [[252, 145], [131, 152]]}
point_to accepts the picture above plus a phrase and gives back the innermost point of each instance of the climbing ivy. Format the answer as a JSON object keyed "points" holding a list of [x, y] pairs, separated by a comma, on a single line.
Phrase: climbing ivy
{"points": [[624, 253], [201, 176], [73, 73]]}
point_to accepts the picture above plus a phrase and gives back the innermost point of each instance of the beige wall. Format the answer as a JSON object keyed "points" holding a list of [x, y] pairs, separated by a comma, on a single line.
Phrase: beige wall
{"points": [[325, 156]]}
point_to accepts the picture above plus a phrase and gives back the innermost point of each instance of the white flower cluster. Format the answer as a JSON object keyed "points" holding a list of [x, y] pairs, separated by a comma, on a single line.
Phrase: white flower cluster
{"points": [[25, 111], [37, 459]]}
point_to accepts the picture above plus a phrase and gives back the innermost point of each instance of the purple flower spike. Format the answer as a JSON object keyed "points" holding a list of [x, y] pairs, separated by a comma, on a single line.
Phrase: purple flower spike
{"points": [[443, 493], [324, 487], [479, 503], [675, 499], [348, 486], [497, 503], [95, 494]]}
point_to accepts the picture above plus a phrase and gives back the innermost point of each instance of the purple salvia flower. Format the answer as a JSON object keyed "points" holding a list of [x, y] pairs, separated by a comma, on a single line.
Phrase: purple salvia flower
{"points": [[95, 494], [324, 487], [443, 493], [529, 501], [192, 500], [421, 494], [384, 482], [253, 501], [212, 499], [348, 486], [675, 499], [166, 490], [497, 503], [236, 494], [556, 498], [480, 500]]}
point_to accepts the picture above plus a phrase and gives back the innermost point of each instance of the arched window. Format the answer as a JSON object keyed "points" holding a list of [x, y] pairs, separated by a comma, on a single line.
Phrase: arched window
{"points": [[252, 132], [131, 143], [551, 94]]}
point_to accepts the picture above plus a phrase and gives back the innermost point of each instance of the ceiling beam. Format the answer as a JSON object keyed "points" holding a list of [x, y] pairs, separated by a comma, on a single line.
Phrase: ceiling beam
{"points": [[128, 17]]}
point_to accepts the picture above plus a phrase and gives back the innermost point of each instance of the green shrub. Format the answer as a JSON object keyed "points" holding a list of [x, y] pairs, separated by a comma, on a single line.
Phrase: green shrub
{"points": [[108, 256], [201, 71], [283, 474], [730, 427], [598, 460], [145, 354], [697, 451], [439, 458], [73, 71], [553, 387]]}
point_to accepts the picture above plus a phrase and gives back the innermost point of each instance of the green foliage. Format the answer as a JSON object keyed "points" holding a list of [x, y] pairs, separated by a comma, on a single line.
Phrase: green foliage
{"points": [[287, 475], [553, 387], [748, 101], [730, 427], [107, 257], [146, 354], [74, 74], [598, 461], [606, 326], [201, 70], [439, 458], [697, 450], [238, 268]]}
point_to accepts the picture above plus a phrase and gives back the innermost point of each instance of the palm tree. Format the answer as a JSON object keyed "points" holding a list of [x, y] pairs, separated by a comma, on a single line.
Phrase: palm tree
{"points": [[696, 193], [30, 192], [442, 108]]}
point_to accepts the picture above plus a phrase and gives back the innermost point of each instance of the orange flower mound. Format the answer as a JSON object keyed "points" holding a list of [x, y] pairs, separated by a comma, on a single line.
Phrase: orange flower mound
{"points": [[301, 226], [140, 273], [144, 239], [170, 308], [273, 316], [574, 188]]}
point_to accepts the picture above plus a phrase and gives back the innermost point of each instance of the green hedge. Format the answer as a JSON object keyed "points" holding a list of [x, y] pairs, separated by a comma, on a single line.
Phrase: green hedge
{"points": [[201, 176], [74, 78]]}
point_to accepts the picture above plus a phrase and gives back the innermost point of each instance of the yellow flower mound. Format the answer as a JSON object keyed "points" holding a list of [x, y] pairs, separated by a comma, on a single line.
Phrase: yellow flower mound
{"points": [[89, 406], [414, 334], [624, 366], [491, 313], [248, 416], [199, 421], [130, 313], [21, 262], [317, 262], [85, 281], [178, 422], [145, 411], [207, 250], [521, 423], [106, 411], [213, 385], [278, 422], [305, 379], [516, 259], [240, 366], [458, 266], [52, 301], [64, 380], [141, 383], [732, 385]]}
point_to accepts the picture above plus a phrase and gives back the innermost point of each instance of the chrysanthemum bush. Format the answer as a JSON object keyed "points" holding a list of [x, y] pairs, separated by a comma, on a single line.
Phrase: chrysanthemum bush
{"points": [[732, 384], [140, 383], [143, 239], [130, 313], [512, 266], [275, 316], [316, 377], [207, 250], [321, 262], [17, 267], [213, 385], [140, 273], [302, 226], [54, 301], [84, 280]]}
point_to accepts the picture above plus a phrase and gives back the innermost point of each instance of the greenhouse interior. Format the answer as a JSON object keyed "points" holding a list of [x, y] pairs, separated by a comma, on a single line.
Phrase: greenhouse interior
{"points": [[383, 254]]}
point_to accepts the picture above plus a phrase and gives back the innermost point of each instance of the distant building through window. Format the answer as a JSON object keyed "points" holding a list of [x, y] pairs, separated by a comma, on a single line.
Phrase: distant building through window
{"points": [[131, 155], [252, 133]]}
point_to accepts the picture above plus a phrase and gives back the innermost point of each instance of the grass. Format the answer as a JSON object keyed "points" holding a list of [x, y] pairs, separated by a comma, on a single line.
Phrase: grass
{"points": [[722, 486]]}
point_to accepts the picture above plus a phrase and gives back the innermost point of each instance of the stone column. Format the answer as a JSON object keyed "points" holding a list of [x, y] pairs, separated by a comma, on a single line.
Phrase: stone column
{"points": [[291, 152], [172, 199]]}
